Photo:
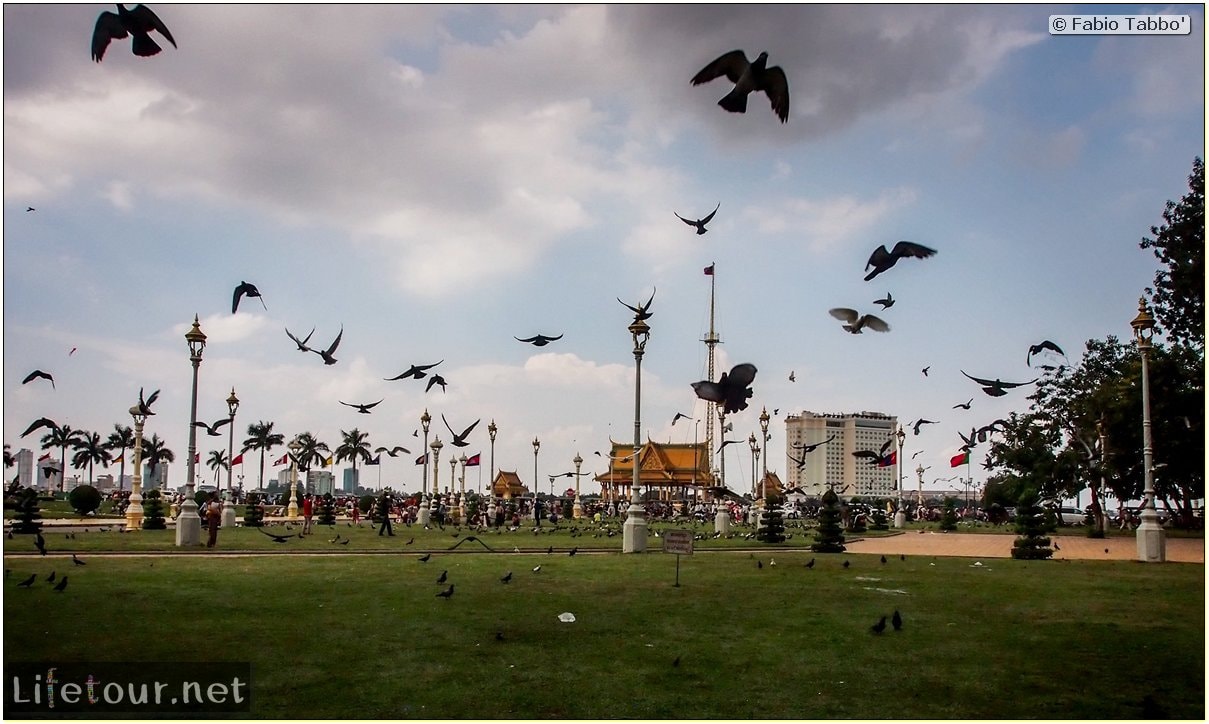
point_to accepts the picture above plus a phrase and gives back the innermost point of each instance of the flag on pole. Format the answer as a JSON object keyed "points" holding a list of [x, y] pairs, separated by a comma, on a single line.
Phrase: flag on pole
{"points": [[959, 459], [888, 460], [422, 460], [44, 457], [328, 463], [374, 461], [119, 458], [473, 459], [197, 458], [282, 460], [709, 270], [237, 460]]}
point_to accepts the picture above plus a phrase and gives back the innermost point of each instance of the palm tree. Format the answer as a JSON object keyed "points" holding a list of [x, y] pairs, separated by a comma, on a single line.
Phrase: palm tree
{"points": [[90, 450], [261, 437], [354, 444], [155, 451], [217, 461], [311, 451], [121, 439], [9, 460], [61, 437]]}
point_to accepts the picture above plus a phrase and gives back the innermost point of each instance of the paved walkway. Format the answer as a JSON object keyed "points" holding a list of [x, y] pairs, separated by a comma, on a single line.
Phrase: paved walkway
{"points": [[986, 545]]}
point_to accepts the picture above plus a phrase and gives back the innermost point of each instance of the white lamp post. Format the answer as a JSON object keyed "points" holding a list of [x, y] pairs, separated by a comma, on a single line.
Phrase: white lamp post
{"points": [[577, 509], [188, 523], [291, 510], [228, 507], [425, 514], [134, 511], [1152, 543], [491, 432], [634, 530]]}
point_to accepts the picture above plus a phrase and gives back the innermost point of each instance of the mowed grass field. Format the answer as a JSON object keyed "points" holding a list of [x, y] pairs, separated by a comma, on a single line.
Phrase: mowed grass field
{"points": [[365, 636]]}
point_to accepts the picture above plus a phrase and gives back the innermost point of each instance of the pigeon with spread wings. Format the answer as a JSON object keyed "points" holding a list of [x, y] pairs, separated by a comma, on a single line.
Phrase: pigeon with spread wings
{"points": [[641, 312], [996, 387], [39, 374], [748, 77], [419, 372], [538, 340], [326, 354], [363, 409], [731, 391], [246, 289], [145, 405], [700, 223], [459, 440], [881, 260], [300, 342], [138, 22], [1043, 346], [855, 322], [212, 430]]}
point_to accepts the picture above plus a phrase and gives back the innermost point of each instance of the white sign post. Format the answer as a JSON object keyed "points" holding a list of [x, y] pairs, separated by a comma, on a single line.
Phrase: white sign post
{"points": [[679, 542]]}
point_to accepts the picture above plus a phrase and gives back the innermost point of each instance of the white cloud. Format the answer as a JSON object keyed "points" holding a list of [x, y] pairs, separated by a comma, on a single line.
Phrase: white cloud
{"points": [[828, 222]]}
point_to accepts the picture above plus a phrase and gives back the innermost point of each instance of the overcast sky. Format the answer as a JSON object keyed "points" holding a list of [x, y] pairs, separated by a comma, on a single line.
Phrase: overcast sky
{"points": [[437, 180]]}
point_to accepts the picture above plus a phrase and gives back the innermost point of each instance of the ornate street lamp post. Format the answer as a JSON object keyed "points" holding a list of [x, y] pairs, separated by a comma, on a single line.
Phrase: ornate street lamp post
{"points": [[764, 448], [577, 509], [898, 467], [188, 523], [462, 492], [291, 510], [134, 511], [228, 508], [633, 538], [436, 459], [425, 515], [491, 431], [1152, 543], [536, 444]]}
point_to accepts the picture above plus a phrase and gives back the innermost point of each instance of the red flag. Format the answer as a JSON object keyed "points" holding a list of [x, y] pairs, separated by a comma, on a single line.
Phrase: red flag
{"points": [[282, 460], [473, 459], [959, 459], [888, 460], [423, 459], [709, 270], [44, 457], [237, 460], [196, 458]]}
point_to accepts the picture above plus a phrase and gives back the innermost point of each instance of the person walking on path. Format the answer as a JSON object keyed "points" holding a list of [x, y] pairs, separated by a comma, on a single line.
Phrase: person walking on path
{"points": [[213, 518]]}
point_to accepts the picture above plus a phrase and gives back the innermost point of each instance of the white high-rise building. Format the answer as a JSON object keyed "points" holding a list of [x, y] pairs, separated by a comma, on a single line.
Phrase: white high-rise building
{"points": [[833, 463], [25, 468]]}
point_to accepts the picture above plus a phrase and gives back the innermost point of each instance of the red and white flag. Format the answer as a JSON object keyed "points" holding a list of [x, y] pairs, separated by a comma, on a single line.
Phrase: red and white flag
{"points": [[237, 460], [282, 460]]}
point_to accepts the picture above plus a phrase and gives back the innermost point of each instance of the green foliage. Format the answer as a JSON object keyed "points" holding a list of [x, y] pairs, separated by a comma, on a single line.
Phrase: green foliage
{"points": [[200, 497], [948, 518], [1179, 288], [29, 515], [365, 502], [830, 536], [1032, 543], [153, 511], [772, 524], [327, 510], [879, 519], [84, 499], [253, 514]]}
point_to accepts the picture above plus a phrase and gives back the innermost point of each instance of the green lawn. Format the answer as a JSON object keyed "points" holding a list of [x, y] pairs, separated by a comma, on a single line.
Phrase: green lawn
{"points": [[366, 636]]}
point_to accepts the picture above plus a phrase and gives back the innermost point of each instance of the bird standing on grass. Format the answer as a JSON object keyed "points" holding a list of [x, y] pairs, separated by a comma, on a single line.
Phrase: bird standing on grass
{"points": [[447, 593], [897, 621], [879, 626]]}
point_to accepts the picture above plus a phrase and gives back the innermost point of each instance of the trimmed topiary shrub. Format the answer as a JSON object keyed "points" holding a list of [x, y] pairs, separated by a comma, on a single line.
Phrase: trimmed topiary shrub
{"points": [[327, 510], [1032, 544], [29, 514], [830, 536], [772, 522], [879, 519], [253, 514], [84, 499], [364, 503], [948, 519], [153, 510]]}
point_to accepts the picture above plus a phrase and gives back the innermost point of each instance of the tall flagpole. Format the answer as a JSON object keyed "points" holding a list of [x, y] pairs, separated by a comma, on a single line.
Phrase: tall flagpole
{"points": [[711, 340]]}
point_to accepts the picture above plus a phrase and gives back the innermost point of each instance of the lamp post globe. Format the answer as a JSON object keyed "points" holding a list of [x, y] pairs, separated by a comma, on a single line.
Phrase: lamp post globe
{"points": [[1151, 538], [188, 523], [228, 506]]}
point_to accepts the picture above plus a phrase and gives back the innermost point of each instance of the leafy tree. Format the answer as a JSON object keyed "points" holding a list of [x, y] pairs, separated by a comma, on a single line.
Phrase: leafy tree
{"points": [[9, 460], [878, 514], [156, 451], [830, 536], [354, 446], [121, 440], [217, 460], [61, 437], [84, 499], [261, 437], [311, 451], [1030, 524], [1179, 288], [90, 450]]}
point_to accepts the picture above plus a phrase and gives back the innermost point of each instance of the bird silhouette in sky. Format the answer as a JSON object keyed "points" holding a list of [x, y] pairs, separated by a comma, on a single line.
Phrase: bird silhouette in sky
{"points": [[700, 223], [212, 430], [39, 374], [138, 22], [881, 260], [887, 302], [925, 370], [29, 209], [145, 405], [724, 444], [246, 289], [642, 311], [1043, 346], [748, 77], [965, 406], [416, 371], [811, 448], [459, 440], [791, 376], [731, 391], [40, 423], [435, 380], [538, 340], [300, 342], [921, 421], [362, 408], [680, 415], [855, 322], [394, 451], [996, 387], [326, 354]]}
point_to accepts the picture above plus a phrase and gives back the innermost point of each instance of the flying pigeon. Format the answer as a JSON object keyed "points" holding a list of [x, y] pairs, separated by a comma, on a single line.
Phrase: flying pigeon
{"points": [[538, 340], [436, 380], [145, 405], [39, 373], [922, 421], [393, 452], [887, 302], [881, 260], [748, 77], [811, 448], [459, 440], [700, 223], [731, 391], [326, 354], [40, 422], [212, 430], [855, 321], [416, 371], [997, 388], [642, 311], [245, 289], [138, 22], [1043, 346], [680, 415], [965, 406], [925, 370], [300, 342], [791, 376], [363, 409]]}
